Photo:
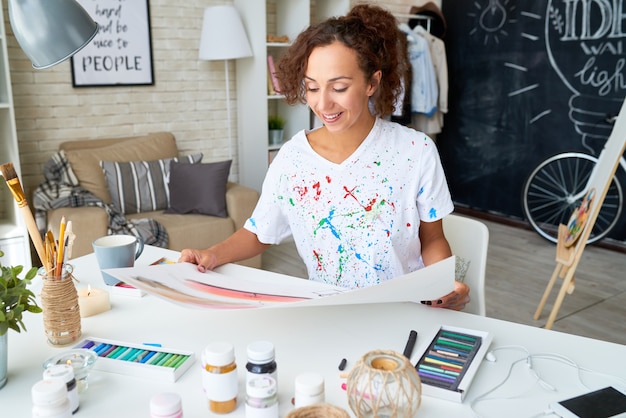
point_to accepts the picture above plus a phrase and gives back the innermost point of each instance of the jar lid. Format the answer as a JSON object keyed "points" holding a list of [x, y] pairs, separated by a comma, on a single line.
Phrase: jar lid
{"points": [[165, 404], [260, 352], [310, 383], [49, 392], [65, 372], [219, 354], [261, 387]]}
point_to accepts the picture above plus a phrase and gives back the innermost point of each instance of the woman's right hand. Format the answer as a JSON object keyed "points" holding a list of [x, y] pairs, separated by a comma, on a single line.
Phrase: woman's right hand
{"points": [[204, 259]]}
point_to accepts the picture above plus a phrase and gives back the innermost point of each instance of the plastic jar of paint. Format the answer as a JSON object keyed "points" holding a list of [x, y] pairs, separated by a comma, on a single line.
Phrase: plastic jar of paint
{"points": [[166, 405], [261, 397], [309, 389], [261, 360], [65, 373], [219, 377], [50, 399]]}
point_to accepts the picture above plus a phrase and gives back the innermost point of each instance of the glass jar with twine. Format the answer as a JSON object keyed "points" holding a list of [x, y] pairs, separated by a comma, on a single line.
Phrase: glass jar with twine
{"points": [[384, 383], [59, 301], [319, 410]]}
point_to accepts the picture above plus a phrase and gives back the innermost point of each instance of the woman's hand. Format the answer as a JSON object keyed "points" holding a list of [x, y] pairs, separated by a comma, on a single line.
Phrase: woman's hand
{"points": [[457, 299], [205, 259]]}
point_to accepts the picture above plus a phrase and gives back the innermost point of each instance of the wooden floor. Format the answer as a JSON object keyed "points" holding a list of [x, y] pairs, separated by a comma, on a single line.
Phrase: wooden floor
{"points": [[519, 266]]}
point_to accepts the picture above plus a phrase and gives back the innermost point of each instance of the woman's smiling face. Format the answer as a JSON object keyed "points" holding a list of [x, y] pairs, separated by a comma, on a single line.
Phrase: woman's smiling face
{"points": [[336, 88]]}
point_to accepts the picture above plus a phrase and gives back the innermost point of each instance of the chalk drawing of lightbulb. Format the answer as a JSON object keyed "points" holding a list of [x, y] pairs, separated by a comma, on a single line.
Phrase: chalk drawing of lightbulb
{"points": [[493, 17], [585, 45]]}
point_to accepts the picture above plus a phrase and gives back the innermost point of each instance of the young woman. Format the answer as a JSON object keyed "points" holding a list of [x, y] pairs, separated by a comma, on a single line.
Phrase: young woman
{"points": [[362, 197]]}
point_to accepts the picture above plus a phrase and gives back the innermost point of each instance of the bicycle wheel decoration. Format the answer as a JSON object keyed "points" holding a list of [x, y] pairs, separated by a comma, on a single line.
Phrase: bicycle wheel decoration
{"points": [[556, 188], [578, 219]]}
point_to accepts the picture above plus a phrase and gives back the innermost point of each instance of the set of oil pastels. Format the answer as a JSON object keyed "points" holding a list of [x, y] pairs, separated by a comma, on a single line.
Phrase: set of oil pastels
{"points": [[450, 361], [150, 361]]}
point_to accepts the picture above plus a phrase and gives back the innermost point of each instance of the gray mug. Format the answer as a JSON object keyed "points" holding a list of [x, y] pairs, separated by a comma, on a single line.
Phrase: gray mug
{"points": [[114, 251]]}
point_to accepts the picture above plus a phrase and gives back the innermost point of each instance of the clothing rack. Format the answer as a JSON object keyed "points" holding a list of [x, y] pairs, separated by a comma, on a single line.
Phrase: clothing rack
{"points": [[428, 19]]}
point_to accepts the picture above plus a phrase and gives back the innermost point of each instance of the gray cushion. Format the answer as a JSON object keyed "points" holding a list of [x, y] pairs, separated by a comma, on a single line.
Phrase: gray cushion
{"points": [[141, 186], [199, 188]]}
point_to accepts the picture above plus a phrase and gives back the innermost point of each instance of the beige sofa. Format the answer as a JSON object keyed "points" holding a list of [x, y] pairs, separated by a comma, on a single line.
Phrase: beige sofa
{"points": [[184, 230]]}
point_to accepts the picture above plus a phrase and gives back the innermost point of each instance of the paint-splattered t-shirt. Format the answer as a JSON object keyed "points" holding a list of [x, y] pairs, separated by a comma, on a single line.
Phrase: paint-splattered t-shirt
{"points": [[355, 224]]}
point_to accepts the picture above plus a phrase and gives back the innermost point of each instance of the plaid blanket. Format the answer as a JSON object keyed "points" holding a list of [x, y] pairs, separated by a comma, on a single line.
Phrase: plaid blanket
{"points": [[61, 189]]}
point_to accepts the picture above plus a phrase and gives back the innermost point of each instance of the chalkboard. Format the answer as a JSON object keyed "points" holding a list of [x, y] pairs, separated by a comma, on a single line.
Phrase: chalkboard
{"points": [[528, 79], [121, 52]]}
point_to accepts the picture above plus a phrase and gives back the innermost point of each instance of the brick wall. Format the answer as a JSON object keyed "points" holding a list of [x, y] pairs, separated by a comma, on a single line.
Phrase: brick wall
{"points": [[188, 97]]}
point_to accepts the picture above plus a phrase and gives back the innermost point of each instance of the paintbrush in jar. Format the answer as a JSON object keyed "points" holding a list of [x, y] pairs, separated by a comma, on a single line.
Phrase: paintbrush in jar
{"points": [[13, 182]]}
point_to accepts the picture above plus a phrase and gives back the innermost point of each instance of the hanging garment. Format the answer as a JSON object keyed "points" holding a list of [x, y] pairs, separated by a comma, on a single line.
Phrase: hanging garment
{"points": [[424, 91], [432, 124]]}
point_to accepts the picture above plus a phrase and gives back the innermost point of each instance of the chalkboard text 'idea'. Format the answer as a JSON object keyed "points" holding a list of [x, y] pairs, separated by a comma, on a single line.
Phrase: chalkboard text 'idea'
{"points": [[110, 63]]}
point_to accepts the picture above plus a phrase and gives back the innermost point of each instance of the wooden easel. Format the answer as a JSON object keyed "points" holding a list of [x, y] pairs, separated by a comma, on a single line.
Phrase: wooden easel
{"points": [[567, 258]]}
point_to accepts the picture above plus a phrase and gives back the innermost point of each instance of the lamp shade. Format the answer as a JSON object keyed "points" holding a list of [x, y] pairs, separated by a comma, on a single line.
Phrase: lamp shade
{"points": [[50, 31], [223, 35]]}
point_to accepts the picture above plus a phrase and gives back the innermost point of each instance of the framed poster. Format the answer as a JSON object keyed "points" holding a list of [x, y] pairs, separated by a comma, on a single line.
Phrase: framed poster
{"points": [[121, 52]]}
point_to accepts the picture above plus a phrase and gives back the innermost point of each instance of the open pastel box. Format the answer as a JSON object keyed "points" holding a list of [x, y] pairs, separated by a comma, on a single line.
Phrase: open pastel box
{"points": [[449, 363], [138, 359]]}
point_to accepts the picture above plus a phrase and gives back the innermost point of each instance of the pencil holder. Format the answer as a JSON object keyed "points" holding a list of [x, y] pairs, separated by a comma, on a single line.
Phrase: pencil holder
{"points": [[384, 383], [59, 302]]}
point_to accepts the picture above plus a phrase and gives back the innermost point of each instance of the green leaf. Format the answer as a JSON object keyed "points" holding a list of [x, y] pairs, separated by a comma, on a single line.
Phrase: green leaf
{"points": [[15, 297], [30, 275], [34, 309], [14, 326]]}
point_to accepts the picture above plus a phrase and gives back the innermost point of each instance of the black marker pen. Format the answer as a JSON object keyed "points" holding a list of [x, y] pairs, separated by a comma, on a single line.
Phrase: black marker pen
{"points": [[410, 344]]}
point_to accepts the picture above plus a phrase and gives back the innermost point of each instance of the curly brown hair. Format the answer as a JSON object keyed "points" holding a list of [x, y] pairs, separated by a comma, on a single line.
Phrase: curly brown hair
{"points": [[369, 30]]}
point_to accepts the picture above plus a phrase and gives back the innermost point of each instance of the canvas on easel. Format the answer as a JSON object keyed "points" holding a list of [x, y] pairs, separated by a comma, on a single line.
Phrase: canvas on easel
{"points": [[572, 238]]}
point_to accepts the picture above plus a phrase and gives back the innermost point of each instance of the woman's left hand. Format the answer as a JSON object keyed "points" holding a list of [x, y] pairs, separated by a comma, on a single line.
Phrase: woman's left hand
{"points": [[457, 299]]}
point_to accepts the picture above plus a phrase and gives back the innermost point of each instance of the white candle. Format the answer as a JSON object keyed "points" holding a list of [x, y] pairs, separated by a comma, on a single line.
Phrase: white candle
{"points": [[92, 301]]}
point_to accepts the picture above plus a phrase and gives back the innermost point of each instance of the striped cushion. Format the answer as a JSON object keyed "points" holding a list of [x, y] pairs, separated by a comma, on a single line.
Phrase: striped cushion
{"points": [[141, 186]]}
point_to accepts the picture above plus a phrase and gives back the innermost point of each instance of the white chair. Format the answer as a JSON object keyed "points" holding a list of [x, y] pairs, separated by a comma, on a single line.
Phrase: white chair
{"points": [[469, 239]]}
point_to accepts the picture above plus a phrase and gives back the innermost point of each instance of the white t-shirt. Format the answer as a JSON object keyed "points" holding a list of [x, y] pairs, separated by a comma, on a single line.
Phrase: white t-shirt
{"points": [[355, 224]]}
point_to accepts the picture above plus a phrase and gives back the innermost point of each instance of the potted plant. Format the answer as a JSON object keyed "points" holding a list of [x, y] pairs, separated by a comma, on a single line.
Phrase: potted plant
{"points": [[275, 124], [15, 299]]}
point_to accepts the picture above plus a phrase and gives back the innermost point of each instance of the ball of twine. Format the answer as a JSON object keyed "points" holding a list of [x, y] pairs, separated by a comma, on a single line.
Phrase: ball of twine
{"points": [[322, 410], [384, 383], [61, 313]]}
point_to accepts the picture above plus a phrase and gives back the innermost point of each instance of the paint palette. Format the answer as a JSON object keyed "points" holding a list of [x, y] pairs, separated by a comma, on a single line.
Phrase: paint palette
{"points": [[138, 360], [450, 361]]}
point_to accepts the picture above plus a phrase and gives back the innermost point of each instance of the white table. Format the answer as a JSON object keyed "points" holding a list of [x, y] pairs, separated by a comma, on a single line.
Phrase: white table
{"points": [[306, 339]]}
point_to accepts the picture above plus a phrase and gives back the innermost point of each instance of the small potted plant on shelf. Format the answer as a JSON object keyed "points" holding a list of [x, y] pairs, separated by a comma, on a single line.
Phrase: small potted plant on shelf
{"points": [[15, 299], [275, 124]]}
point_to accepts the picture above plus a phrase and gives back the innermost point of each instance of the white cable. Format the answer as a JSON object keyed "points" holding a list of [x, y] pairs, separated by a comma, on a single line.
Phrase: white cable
{"points": [[497, 386], [544, 413], [566, 360], [528, 359]]}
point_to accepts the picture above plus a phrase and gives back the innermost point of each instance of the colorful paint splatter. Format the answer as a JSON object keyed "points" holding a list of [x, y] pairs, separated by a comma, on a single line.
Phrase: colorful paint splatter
{"points": [[356, 223]]}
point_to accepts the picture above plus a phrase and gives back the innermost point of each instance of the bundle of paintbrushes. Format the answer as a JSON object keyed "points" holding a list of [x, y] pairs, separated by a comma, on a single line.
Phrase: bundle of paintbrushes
{"points": [[56, 252]]}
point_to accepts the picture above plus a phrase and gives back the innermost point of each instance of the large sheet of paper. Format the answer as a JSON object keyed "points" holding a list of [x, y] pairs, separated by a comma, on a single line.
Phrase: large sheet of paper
{"points": [[182, 283]]}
